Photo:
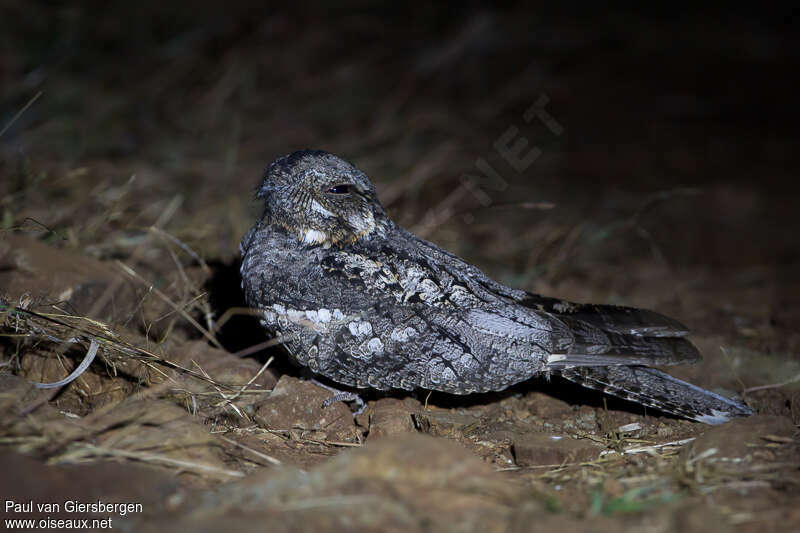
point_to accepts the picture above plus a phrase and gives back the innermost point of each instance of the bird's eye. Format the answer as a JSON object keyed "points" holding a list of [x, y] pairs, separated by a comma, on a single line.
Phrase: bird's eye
{"points": [[339, 189]]}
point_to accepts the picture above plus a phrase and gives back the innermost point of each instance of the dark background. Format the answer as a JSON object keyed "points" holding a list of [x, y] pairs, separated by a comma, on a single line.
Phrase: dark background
{"points": [[669, 181], [678, 154]]}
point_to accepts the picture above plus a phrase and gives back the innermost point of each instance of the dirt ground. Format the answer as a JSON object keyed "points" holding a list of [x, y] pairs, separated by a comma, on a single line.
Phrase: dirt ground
{"points": [[132, 138]]}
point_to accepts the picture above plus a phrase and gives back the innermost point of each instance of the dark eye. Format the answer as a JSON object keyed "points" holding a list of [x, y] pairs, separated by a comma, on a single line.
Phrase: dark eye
{"points": [[339, 189]]}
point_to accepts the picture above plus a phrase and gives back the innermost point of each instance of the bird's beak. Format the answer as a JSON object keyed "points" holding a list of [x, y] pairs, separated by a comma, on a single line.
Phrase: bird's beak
{"points": [[265, 190]]}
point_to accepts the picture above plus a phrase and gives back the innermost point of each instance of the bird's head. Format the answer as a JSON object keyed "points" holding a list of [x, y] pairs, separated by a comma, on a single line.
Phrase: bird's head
{"points": [[321, 199]]}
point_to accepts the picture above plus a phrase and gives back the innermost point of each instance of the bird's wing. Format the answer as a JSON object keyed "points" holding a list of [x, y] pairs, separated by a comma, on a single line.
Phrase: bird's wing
{"points": [[612, 318], [607, 335], [572, 334], [440, 328]]}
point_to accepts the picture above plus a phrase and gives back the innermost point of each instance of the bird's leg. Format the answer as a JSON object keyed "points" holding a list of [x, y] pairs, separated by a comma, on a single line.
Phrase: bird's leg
{"points": [[341, 396]]}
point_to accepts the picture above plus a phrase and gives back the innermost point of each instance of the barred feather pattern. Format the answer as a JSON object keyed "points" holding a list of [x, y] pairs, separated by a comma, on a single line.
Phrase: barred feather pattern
{"points": [[653, 388], [368, 304]]}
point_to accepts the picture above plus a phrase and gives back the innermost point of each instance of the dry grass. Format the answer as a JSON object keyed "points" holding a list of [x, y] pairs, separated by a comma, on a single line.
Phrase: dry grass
{"points": [[145, 165]]}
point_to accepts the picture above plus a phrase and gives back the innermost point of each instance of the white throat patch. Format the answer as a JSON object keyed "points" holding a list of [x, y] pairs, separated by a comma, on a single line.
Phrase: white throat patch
{"points": [[313, 236]]}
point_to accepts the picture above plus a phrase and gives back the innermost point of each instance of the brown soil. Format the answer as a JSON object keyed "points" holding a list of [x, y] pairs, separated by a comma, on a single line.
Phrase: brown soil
{"points": [[667, 181]]}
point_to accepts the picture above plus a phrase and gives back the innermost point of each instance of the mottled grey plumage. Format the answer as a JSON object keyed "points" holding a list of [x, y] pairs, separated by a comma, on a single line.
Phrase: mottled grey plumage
{"points": [[366, 303]]}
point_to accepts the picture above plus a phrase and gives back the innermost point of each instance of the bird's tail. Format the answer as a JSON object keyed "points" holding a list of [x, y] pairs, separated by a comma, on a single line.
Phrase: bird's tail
{"points": [[653, 388]]}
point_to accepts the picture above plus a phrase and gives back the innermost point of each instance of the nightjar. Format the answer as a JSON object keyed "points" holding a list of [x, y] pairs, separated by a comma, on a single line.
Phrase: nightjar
{"points": [[366, 303]]}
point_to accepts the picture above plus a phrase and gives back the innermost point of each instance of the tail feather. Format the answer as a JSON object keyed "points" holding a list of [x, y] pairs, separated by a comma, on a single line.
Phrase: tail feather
{"points": [[612, 347], [653, 388]]}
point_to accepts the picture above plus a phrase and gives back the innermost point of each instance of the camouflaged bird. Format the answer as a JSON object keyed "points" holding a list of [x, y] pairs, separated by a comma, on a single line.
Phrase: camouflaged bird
{"points": [[366, 303]]}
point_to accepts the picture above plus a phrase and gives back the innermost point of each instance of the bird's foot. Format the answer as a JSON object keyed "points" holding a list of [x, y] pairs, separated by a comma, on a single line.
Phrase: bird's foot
{"points": [[342, 396]]}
